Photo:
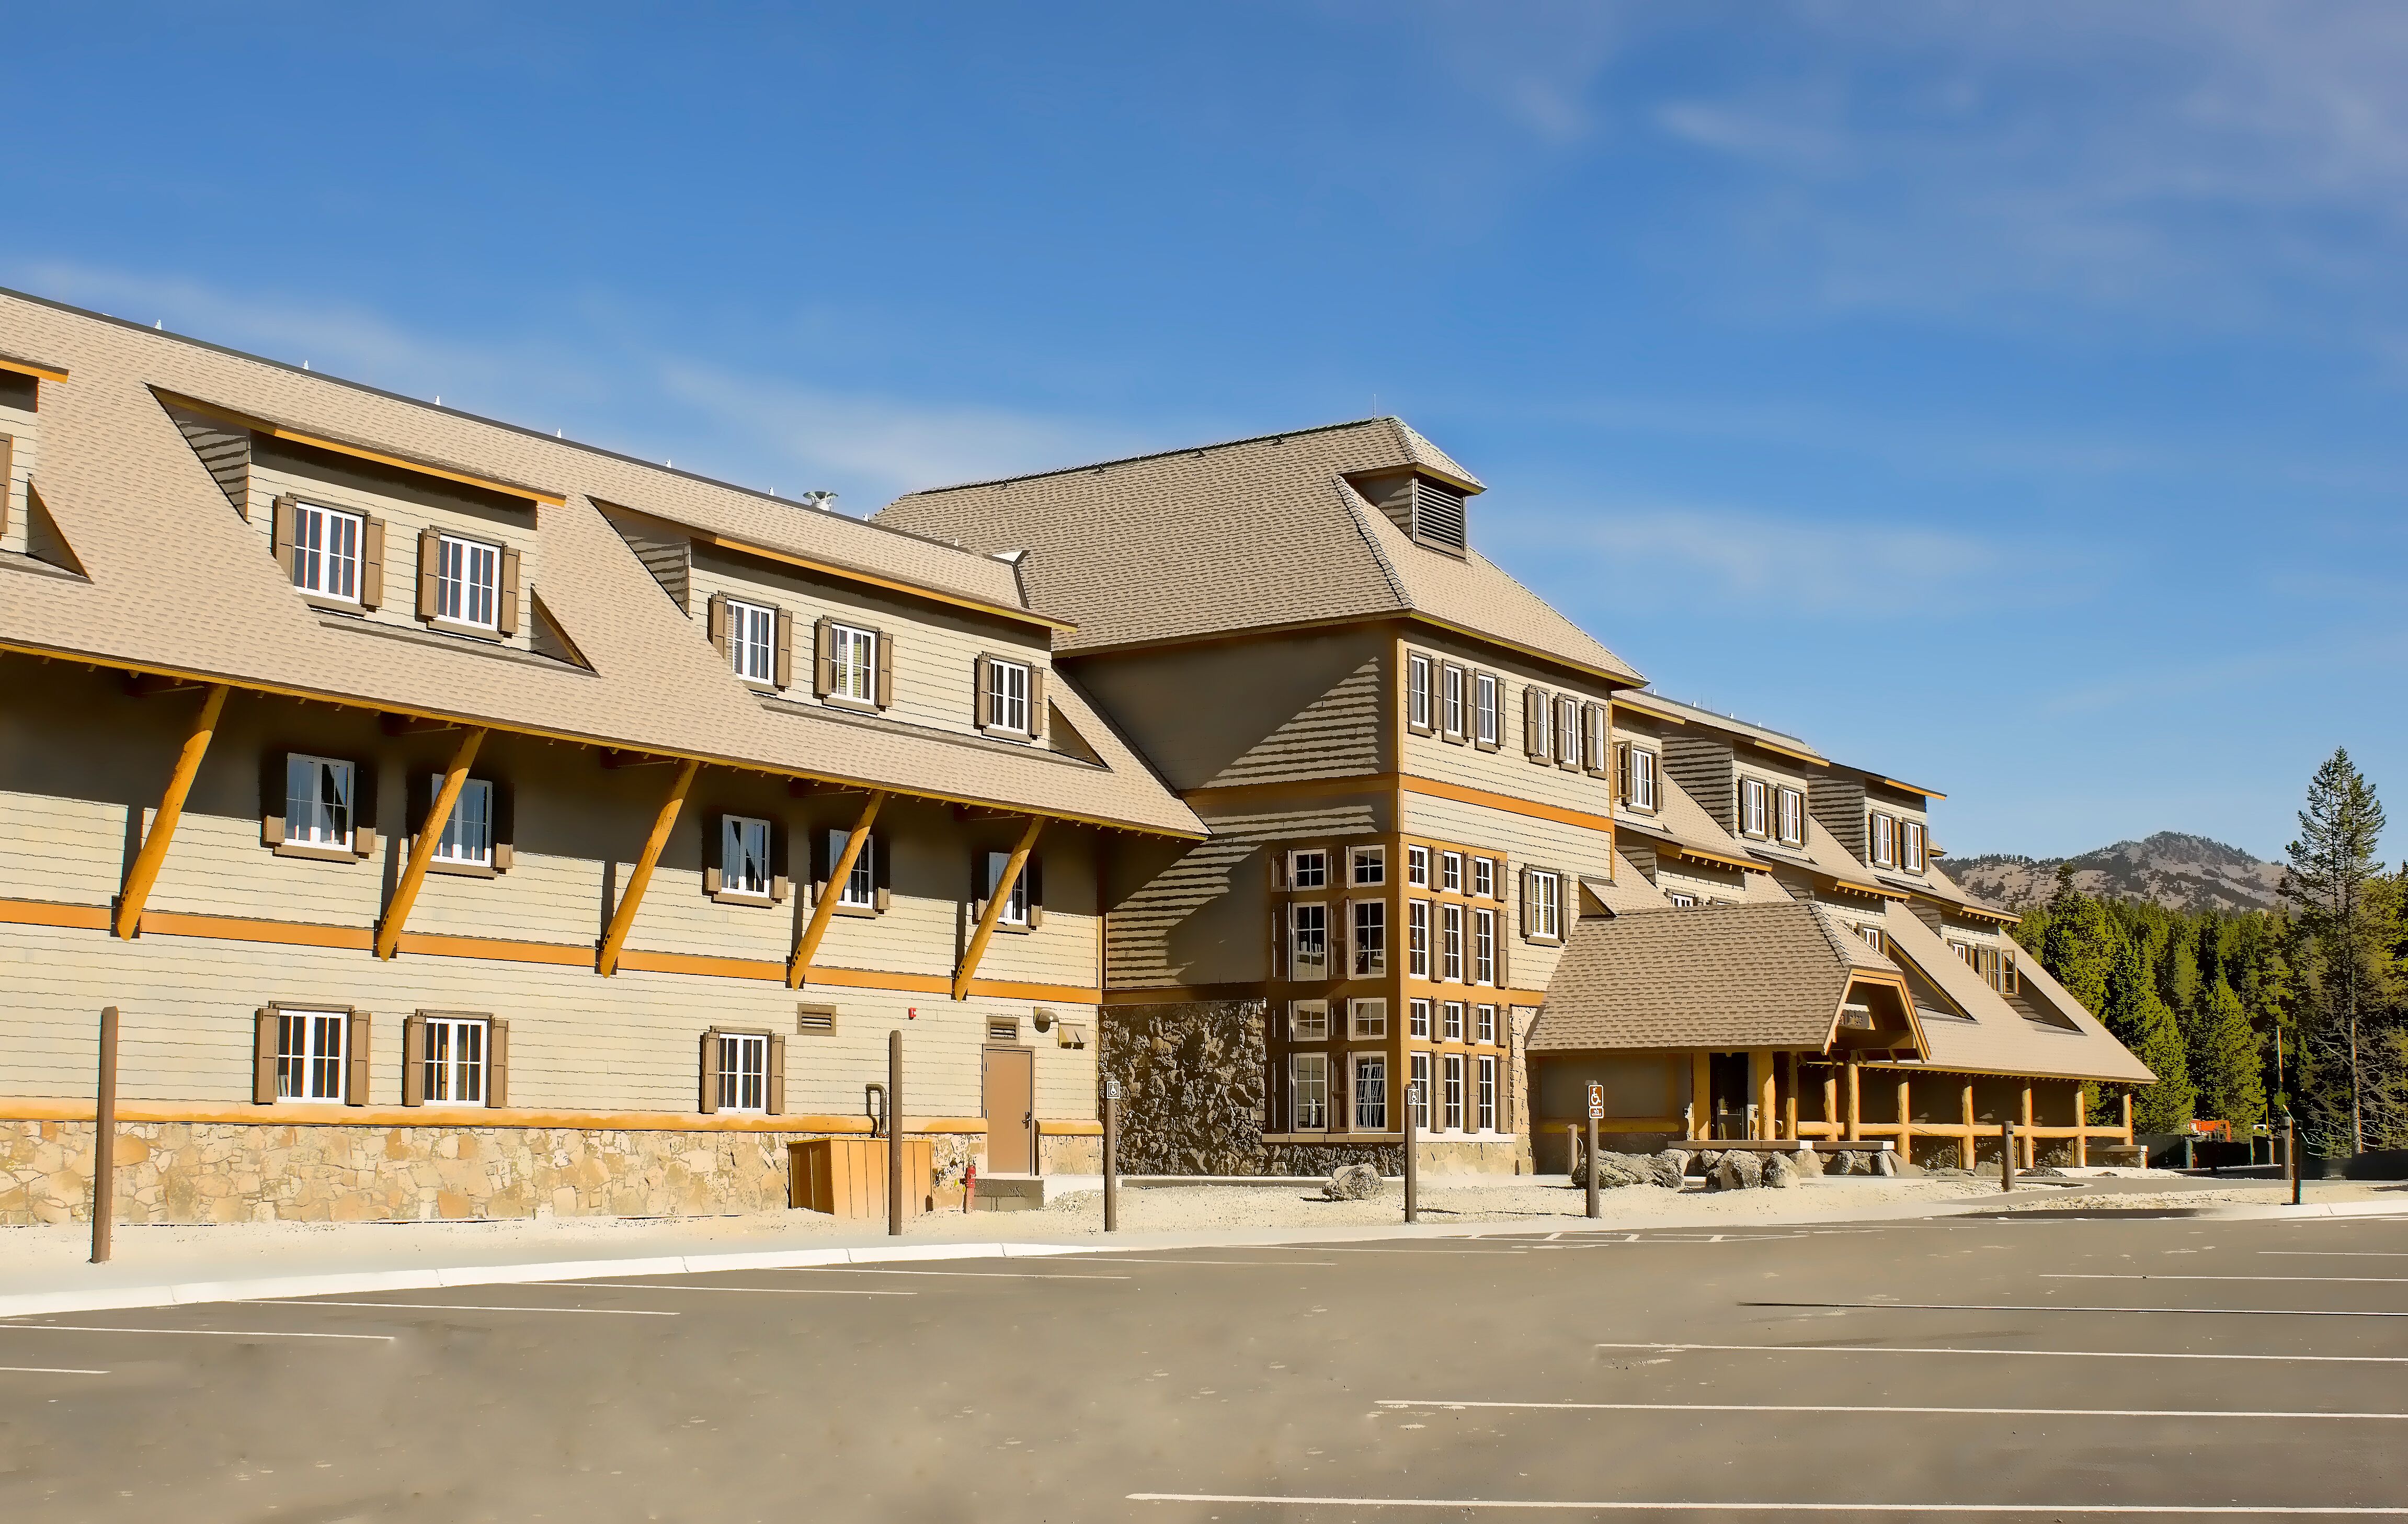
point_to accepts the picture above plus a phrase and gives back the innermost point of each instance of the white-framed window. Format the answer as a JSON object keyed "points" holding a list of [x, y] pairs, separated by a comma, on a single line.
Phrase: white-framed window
{"points": [[1450, 1109], [1423, 1091], [1882, 829], [309, 1054], [467, 581], [1484, 878], [1568, 731], [1752, 807], [318, 795], [467, 835], [1308, 1091], [1417, 692], [743, 1072], [1417, 867], [852, 664], [1450, 872], [752, 640], [1307, 869], [1546, 907], [1484, 947], [1913, 831], [1308, 940], [1451, 700], [1488, 709], [1872, 935], [1680, 900], [1016, 904], [859, 890], [1367, 866], [1418, 1018], [1367, 1018], [1639, 790], [326, 552], [1372, 1092], [1485, 1098], [1483, 1024], [1006, 695], [1597, 740], [454, 1070], [743, 856], [1451, 1021], [1789, 815], [1417, 939], [1307, 1021], [2011, 979], [1450, 942], [1371, 941]]}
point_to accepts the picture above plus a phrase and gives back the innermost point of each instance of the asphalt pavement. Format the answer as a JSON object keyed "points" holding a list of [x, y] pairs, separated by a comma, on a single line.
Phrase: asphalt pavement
{"points": [[2034, 1369]]}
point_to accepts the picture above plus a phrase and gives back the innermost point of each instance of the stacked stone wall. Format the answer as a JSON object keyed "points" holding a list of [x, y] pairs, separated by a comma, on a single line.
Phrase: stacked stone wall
{"points": [[1191, 1076]]}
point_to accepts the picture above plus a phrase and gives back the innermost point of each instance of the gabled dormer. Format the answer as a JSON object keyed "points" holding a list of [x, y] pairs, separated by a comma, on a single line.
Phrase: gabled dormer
{"points": [[1427, 506], [20, 435]]}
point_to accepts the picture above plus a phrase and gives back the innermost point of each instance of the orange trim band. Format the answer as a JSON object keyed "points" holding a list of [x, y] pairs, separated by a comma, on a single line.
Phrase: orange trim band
{"points": [[168, 923], [1532, 808], [43, 912], [437, 944], [27, 367]]}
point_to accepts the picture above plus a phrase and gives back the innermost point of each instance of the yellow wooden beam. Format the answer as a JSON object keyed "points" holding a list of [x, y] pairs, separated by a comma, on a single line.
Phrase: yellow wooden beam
{"points": [[430, 834], [623, 918], [154, 855], [798, 968], [998, 895], [28, 367]]}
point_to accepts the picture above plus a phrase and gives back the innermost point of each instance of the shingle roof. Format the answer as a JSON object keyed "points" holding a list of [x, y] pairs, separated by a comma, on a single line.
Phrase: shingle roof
{"points": [[179, 583], [1999, 1039], [1683, 821], [1247, 535], [1728, 976], [1656, 703]]}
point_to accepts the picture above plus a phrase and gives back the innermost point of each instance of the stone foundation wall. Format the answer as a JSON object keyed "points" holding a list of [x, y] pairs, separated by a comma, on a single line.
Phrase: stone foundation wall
{"points": [[1068, 1156], [224, 1172], [1192, 1077]]}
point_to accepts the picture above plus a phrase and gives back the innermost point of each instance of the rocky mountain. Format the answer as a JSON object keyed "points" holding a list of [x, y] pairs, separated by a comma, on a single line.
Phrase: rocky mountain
{"points": [[2178, 871]]}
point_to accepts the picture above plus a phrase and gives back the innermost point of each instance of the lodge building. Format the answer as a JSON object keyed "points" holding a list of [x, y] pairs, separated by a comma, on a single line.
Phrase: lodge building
{"points": [[467, 821]]}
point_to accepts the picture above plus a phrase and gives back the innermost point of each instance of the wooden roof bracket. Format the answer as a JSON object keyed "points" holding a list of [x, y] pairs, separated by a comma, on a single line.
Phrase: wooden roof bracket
{"points": [[430, 834], [807, 946], [153, 856], [623, 917], [998, 895]]}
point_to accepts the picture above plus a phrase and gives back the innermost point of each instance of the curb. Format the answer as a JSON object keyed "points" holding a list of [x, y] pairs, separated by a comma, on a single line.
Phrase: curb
{"points": [[2309, 1209]]}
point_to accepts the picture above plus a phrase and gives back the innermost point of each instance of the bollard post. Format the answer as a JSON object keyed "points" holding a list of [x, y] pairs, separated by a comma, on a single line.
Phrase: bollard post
{"points": [[1591, 1160], [1413, 1174], [895, 1133], [2007, 1155], [2291, 1154], [1111, 1155], [104, 1141]]}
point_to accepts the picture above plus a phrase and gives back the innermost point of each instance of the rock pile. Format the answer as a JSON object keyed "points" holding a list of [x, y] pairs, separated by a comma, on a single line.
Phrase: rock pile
{"points": [[1616, 1171], [1353, 1183]]}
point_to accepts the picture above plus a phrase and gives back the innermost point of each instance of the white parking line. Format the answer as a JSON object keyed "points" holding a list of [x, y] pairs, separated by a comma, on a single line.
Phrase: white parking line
{"points": [[214, 1333], [762, 1290], [2056, 1354], [1836, 1407], [458, 1307], [1619, 1505], [46, 1370], [1349, 1248], [2044, 1307], [2341, 1253], [2337, 1280], [1224, 1264], [973, 1275]]}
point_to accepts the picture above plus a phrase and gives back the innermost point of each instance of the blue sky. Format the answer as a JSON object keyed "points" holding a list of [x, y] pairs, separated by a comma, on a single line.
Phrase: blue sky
{"points": [[2007, 397]]}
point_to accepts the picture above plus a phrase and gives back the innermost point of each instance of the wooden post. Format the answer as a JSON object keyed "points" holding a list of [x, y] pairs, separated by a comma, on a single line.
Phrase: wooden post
{"points": [[1969, 1123], [104, 1138], [2031, 1139], [1906, 1119], [799, 967], [1830, 1100], [2007, 1155], [2128, 1118], [1589, 1160], [999, 894], [2291, 1154], [430, 836], [1113, 1158], [623, 918], [155, 841], [1767, 1095], [1413, 1174], [1855, 1101], [1789, 1105], [1701, 1095], [895, 1133]]}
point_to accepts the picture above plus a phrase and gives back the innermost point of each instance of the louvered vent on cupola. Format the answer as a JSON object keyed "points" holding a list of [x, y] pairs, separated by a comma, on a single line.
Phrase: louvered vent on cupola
{"points": [[1428, 510]]}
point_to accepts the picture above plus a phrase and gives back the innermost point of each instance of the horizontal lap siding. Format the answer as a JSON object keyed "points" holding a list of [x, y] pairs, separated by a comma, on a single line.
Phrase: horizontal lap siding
{"points": [[25, 431], [1578, 850], [1509, 769], [1252, 712], [1705, 768]]}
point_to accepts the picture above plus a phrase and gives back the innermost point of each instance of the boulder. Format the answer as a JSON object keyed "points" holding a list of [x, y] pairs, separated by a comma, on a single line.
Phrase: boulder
{"points": [[1850, 1162], [1780, 1172], [1615, 1170], [1671, 1168], [1353, 1183], [1885, 1162], [1738, 1170], [1809, 1162], [1707, 1159]]}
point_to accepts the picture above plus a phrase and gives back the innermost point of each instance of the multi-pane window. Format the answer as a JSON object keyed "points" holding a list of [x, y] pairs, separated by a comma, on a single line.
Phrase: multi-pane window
{"points": [[1545, 911], [1367, 1018], [326, 552], [1451, 1021], [467, 573], [1884, 830], [852, 664], [1450, 946], [859, 889], [752, 640], [1308, 871], [1484, 878], [1789, 814], [743, 856], [1016, 904], [469, 833], [309, 1054], [1308, 1090], [1419, 1019], [1450, 872], [1568, 731], [1417, 867], [454, 1070], [318, 794], [1488, 704], [1372, 1092], [743, 1072], [1368, 865], [1484, 947], [1307, 1021], [1417, 692], [1638, 781], [1006, 695], [1913, 842], [1451, 699], [1450, 1111], [1423, 1096], [1752, 807], [1679, 901], [1483, 1024], [1596, 739], [1309, 941], [1872, 935], [1371, 941], [1484, 1111], [1417, 939]]}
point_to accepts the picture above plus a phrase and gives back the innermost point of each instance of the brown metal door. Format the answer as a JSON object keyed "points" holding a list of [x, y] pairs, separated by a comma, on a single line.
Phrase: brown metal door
{"points": [[1010, 1111]]}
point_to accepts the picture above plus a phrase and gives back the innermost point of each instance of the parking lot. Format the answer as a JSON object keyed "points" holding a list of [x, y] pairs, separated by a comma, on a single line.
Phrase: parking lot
{"points": [[2038, 1368]]}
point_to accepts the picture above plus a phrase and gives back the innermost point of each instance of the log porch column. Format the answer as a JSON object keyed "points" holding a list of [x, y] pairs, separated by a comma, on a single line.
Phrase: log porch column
{"points": [[1790, 1103], [1768, 1103], [1968, 1161], [1701, 1095], [1830, 1100], [2032, 1143], [1905, 1119], [154, 855], [2081, 1128], [2128, 1118], [1855, 1101]]}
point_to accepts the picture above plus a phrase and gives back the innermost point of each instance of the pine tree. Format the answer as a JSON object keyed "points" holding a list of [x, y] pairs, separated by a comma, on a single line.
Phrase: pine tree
{"points": [[2223, 1060], [2332, 868], [2078, 948], [2142, 1022]]}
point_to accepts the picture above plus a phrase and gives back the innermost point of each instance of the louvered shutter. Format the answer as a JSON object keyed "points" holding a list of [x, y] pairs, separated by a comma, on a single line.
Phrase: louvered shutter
{"points": [[714, 841], [982, 672], [504, 822], [1598, 755], [715, 619], [1036, 699], [430, 548], [777, 1106], [372, 564], [1524, 886], [364, 809], [1622, 771], [281, 533], [786, 667], [782, 874], [356, 1088], [1033, 873], [1534, 723], [823, 657], [266, 1039], [881, 884], [885, 668], [271, 799], [497, 1063], [505, 617], [8, 476], [980, 884], [824, 849], [709, 1071], [413, 1060]]}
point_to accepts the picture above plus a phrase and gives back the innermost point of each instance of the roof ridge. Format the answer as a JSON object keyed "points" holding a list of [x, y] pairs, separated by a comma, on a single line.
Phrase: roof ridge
{"points": [[1150, 455]]}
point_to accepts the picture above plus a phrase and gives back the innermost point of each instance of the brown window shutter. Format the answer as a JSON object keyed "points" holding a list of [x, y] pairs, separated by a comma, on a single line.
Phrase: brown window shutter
{"points": [[1033, 872], [266, 1039], [429, 543], [1036, 699], [710, 1071], [372, 564], [413, 1060], [8, 476], [1622, 771], [715, 617], [1534, 723], [282, 533], [497, 1063], [1504, 962], [1524, 917], [823, 657], [505, 618], [786, 667], [777, 1074], [271, 799], [885, 668], [364, 809], [782, 877], [880, 862], [983, 675], [505, 824], [714, 840], [355, 1082], [977, 883]]}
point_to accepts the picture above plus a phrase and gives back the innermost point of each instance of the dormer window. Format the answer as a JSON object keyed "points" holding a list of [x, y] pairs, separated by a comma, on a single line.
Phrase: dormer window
{"points": [[1792, 818], [1912, 842], [467, 581], [752, 640], [1883, 830], [1752, 807], [326, 544]]}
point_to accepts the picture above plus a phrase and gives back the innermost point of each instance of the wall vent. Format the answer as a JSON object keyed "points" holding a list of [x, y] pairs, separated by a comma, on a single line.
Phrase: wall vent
{"points": [[1438, 514]]}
